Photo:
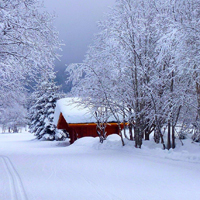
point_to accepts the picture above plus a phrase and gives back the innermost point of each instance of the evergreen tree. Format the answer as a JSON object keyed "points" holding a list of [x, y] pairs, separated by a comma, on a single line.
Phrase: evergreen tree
{"points": [[41, 112]]}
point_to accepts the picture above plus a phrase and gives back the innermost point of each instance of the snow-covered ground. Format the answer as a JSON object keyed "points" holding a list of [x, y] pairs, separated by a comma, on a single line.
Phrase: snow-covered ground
{"points": [[87, 170]]}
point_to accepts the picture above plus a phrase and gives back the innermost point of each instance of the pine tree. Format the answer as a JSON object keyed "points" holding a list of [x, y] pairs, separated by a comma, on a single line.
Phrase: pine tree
{"points": [[41, 112]]}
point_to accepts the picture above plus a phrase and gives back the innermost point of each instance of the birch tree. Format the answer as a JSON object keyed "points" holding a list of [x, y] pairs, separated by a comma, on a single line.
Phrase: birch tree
{"points": [[178, 47], [143, 64], [119, 60]]}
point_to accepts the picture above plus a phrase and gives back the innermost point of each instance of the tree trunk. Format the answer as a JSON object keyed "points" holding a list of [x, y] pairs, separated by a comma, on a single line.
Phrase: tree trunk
{"points": [[198, 99], [162, 141], [124, 124], [171, 113], [169, 136], [173, 137], [146, 134], [130, 127], [137, 134], [156, 135], [15, 130], [120, 133]]}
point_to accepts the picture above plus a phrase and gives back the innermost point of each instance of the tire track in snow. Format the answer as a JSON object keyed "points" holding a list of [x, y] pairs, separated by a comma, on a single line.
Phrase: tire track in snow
{"points": [[15, 182]]}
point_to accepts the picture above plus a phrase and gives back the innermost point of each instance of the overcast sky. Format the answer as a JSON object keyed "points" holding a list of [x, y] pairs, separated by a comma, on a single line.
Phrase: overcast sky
{"points": [[76, 23]]}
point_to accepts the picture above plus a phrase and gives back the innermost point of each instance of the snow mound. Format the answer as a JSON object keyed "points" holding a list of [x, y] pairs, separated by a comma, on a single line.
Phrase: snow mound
{"points": [[86, 141], [112, 142], [187, 153], [113, 137]]}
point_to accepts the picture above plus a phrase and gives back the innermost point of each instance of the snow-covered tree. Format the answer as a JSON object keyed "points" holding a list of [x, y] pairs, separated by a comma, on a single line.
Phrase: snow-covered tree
{"points": [[13, 111], [14, 117], [41, 113], [116, 65], [28, 44], [178, 48], [144, 65]]}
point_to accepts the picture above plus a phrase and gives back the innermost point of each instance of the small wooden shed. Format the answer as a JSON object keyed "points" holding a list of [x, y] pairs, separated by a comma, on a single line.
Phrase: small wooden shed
{"points": [[78, 121]]}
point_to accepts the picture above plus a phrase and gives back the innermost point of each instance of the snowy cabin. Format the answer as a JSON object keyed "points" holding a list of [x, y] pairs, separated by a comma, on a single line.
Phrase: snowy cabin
{"points": [[78, 121]]}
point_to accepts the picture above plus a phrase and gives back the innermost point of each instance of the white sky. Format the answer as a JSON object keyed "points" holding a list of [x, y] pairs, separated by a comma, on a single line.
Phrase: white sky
{"points": [[76, 23]]}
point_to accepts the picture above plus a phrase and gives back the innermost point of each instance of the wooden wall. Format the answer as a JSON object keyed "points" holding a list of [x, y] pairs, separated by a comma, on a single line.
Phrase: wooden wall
{"points": [[85, 129]]}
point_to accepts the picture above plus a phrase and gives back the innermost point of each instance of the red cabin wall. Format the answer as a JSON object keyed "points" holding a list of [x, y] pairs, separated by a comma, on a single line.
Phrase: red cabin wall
{"points": [[82, 130]]}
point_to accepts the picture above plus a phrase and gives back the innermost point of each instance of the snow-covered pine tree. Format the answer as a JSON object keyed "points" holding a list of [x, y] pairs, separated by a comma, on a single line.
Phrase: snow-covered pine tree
{"points": [[41, 112]]}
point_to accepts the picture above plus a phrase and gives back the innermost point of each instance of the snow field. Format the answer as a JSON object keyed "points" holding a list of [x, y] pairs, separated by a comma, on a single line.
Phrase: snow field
{"points": [[92, 171]]}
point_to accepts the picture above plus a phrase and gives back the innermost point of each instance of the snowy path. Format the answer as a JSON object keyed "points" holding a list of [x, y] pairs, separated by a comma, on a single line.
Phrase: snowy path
{"points": [[88, 170], [14, 182]]}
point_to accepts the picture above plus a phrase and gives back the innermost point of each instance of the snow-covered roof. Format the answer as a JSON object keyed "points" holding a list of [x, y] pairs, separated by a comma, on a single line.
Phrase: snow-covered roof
{"points": [[72, 112]]}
